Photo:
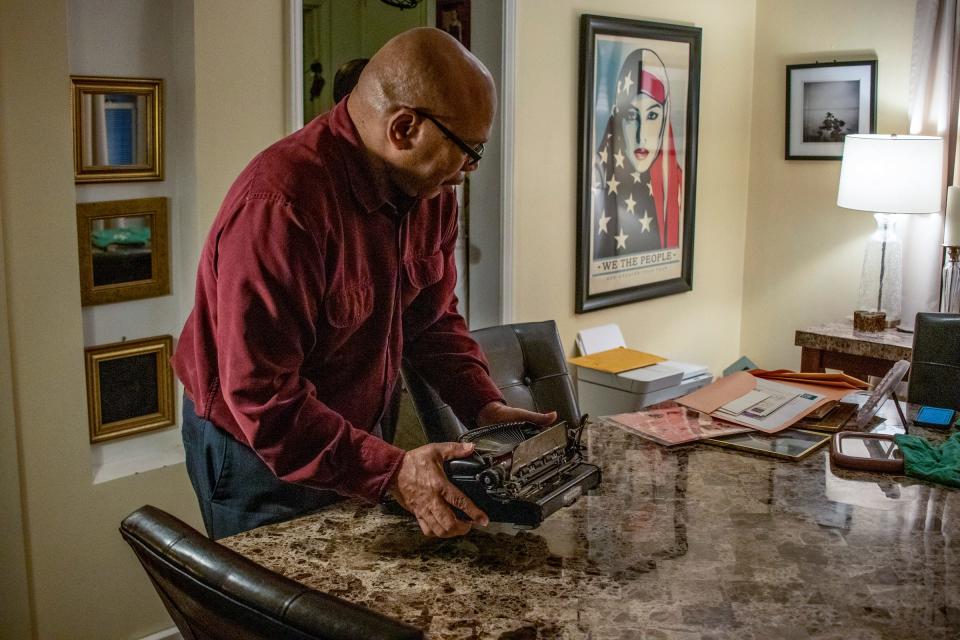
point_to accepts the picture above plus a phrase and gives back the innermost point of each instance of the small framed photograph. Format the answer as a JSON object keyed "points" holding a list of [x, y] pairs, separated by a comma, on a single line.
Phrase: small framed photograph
{"points": [[639, 117], [117, 129], [129, 387], [826, 102], [790, 444], [123, 249], [453, 16]]}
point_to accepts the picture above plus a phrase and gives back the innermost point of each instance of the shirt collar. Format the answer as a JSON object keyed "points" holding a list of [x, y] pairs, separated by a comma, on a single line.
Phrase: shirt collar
{"points": [[370, 189]]}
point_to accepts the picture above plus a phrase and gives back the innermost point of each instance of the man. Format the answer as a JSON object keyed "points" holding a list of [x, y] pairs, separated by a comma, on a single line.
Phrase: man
{"points": [[330, 259]]}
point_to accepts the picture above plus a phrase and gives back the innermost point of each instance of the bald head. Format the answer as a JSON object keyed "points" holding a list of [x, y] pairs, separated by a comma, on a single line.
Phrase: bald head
{"points": [[423, 106], [428, 69]]}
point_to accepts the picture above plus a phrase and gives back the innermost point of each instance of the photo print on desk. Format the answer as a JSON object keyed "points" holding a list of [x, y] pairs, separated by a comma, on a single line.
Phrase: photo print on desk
{"points": [[639, 103]]}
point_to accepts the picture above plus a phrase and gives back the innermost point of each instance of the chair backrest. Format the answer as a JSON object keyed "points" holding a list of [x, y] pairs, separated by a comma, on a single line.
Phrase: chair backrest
{"points": [[214, 593], [527, 365], [935, 368]]}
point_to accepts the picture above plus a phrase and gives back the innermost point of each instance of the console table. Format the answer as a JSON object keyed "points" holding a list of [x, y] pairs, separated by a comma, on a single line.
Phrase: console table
{"points": [[684, 542], [836, 345]]}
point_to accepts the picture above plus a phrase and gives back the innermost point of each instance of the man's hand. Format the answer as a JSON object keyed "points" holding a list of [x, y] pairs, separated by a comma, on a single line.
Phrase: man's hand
{"points": [[496, 411], [421, 487]]}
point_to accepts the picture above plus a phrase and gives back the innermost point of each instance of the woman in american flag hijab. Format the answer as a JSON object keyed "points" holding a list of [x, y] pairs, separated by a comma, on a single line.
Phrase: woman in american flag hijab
{"points": [[638, 180]]}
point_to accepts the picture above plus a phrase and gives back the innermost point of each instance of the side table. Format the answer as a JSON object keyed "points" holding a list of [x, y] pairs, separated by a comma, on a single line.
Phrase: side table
{"points": [[836, 345]]}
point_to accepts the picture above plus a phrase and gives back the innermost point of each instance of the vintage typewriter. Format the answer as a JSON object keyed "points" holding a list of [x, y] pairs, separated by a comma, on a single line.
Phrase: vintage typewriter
{"points": [[520, 473]]}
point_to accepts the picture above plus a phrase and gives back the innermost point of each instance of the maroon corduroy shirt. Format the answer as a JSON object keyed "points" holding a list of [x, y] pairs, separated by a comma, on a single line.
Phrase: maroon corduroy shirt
{"points": [[311, 286]]}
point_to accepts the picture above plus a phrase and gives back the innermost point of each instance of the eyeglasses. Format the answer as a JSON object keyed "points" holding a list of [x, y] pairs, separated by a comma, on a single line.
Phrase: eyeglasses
{"points": [[474, 152]]}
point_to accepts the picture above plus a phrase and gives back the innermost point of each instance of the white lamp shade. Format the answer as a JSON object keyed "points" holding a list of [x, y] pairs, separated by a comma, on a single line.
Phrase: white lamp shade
{"points": [[891, 173]]}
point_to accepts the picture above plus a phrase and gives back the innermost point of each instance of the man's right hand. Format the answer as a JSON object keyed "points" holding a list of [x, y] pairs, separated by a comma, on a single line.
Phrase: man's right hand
{"points": [[422, 488]]}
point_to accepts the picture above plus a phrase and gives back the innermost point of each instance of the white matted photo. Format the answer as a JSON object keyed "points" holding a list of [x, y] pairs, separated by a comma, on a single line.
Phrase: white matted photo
{"points": [[825, 103]]}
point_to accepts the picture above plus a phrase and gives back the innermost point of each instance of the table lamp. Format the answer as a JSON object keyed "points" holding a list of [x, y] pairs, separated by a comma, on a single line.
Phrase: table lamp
{"points": [[950, 281], [885, 175]]}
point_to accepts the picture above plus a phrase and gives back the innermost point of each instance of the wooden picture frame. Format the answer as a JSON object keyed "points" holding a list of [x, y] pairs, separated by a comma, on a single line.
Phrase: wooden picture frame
{"points": [[129, 387], [117, 129], [826, 101], [123, 247], [637, 172]]}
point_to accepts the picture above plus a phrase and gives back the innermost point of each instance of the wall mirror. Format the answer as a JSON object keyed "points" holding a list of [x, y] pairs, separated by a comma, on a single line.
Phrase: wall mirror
{"points": [[117, 129], [123, 249]]}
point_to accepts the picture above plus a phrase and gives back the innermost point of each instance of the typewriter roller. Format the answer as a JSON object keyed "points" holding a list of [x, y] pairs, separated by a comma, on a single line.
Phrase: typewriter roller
{"points": [[520, 474]]}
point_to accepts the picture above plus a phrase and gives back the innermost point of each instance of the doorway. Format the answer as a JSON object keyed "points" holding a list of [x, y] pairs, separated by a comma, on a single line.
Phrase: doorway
{"points": [[332, 32]]}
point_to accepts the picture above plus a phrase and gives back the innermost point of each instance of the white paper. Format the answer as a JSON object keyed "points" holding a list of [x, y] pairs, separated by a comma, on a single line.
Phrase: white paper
{"points": [[744, 402], [602, 338], [798, 406]]}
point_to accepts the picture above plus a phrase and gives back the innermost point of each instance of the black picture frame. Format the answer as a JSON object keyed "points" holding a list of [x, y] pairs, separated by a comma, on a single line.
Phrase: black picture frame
{"points": [[826, 101], [611, 269]]}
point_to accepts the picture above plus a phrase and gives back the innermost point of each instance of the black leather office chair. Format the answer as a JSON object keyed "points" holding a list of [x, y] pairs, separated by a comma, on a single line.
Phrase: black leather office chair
{"points": [[214, 593], [935, 368], [526, 363]]}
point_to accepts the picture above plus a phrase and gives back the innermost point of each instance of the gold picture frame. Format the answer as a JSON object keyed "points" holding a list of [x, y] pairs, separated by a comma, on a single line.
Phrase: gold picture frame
{"points": [[123, 247], [789, 444], [117, 129], [129, 387]]}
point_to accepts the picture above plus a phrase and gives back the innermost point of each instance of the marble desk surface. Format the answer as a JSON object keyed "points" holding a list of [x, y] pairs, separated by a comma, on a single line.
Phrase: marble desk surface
{"points": [[841, 337], [694, 542]]}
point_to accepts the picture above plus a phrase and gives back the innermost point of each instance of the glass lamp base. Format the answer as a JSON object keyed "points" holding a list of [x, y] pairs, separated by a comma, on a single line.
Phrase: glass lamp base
{"points": [[950, 293], [880, 278]]}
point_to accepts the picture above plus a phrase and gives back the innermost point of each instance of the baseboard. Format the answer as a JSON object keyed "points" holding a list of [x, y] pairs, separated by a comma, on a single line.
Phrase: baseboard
{"points": [[167, 634]]}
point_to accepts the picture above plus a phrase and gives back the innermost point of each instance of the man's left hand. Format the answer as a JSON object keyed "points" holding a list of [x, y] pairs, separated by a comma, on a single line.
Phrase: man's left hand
{"points": [[496, 411]]}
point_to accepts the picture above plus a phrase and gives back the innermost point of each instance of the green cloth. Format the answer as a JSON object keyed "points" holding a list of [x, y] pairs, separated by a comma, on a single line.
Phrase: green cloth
{"points": [[103, 238], [936, 464]]}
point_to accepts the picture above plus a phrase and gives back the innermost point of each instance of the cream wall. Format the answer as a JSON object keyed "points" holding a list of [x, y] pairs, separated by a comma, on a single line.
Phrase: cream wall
{"points": [[84, 582], [702, 325], [803, 253]]}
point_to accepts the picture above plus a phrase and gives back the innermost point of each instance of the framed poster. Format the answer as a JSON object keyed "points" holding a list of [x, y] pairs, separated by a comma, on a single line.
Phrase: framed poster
{"points": [[825, 102], [639, 102]]}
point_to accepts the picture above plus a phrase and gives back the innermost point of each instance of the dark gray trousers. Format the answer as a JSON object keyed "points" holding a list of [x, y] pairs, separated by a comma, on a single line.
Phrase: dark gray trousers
{"points": [[234, 487]]}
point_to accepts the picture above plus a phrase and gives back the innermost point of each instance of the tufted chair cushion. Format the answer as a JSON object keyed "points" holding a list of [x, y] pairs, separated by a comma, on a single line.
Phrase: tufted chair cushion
{"points": [[935, 368], [214, 593], [526, 363]]}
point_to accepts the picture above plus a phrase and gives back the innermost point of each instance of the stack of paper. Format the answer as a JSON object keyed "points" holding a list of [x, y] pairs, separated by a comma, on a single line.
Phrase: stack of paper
{"points": [[758, 403]]}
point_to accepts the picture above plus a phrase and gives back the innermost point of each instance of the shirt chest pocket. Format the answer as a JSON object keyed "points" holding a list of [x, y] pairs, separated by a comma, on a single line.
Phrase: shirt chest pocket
{"points": [[423, 272], [350, 306]]}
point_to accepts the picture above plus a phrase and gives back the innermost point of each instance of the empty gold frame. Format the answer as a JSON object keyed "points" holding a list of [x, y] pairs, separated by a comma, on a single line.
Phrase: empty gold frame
{"points": [[123, 250], [129, 387], [117, 129]]}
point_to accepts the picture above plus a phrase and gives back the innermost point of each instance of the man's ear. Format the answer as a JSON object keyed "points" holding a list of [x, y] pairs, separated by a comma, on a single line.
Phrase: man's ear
{"points": [[402, 130]]}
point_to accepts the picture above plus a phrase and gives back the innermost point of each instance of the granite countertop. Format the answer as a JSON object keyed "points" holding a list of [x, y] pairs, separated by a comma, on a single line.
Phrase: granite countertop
{"points": [[693, 542], [840, 337]]}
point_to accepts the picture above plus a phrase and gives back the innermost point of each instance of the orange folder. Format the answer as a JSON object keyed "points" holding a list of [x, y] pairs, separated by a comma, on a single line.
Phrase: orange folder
{"points": [[617, 360], [825, 379]]}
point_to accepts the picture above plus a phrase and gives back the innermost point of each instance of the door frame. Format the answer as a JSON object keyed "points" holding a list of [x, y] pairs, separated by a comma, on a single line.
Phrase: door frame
{"points": [[294, 111]]}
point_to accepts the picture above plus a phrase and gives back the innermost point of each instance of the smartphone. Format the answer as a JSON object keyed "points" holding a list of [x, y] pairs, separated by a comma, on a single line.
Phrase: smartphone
{"points": [[936, 417]]}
